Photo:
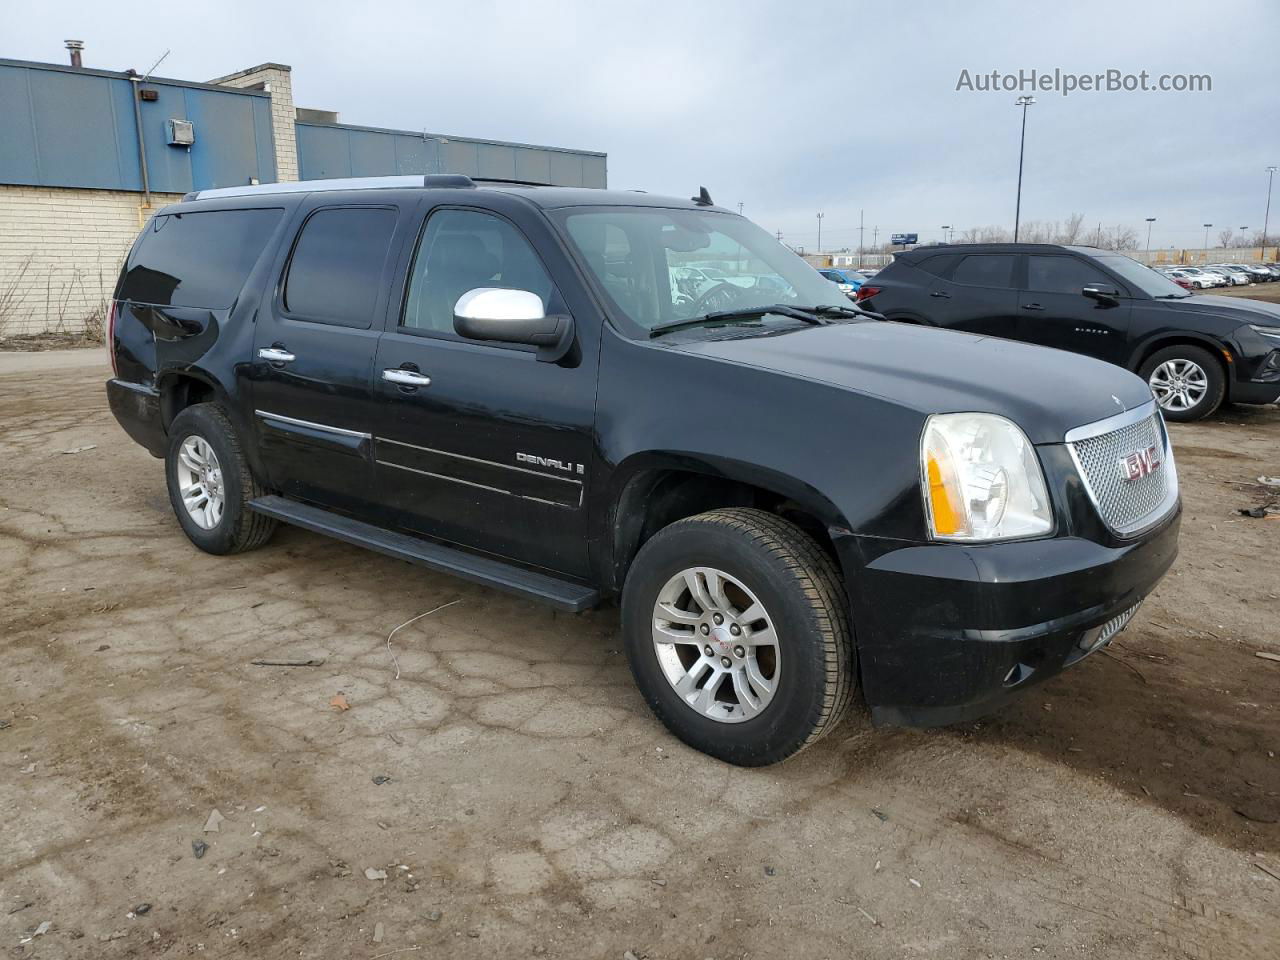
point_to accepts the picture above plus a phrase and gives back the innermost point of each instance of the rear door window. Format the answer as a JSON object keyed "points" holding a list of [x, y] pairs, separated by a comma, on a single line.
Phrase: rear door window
{"points": [[336, 271], [1062, 274], [985, 270], [197, 259]]}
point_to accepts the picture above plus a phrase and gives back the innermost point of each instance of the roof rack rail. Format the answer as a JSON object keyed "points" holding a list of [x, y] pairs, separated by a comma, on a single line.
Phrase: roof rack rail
{"points": [[430, 180], [518, 183]]}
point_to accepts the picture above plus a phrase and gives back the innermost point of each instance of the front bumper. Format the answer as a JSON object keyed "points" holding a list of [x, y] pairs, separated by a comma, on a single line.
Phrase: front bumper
{"points": [[947, 633], [1257, 372], [1251, 391]]}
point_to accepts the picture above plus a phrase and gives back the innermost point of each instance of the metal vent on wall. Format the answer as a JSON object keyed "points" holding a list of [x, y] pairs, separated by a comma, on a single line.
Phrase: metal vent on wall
{"points": [[182, 133]]}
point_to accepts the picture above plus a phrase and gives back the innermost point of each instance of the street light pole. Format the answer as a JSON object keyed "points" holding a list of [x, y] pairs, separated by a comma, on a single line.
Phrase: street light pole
{"points": [[1206, 240], [1150, 221], [1266, 220], [1022, 102], [820, 216], [945, 228]]}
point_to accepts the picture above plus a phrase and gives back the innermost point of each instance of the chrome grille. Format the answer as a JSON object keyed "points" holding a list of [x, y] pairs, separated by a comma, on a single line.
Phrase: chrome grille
{"points": [[1126, 505]]}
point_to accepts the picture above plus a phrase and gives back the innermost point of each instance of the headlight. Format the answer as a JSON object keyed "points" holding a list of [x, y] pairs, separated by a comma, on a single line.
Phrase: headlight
{"points": [[1271, 333], [982, 479]]}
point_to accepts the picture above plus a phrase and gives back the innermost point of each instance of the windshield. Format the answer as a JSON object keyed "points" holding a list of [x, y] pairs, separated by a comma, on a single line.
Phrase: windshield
{"points": [[661, 266], [1150, 282]]}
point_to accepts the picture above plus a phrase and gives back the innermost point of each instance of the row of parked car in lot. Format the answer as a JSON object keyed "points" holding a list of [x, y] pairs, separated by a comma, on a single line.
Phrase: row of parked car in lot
{"points": [[1221, 275]]}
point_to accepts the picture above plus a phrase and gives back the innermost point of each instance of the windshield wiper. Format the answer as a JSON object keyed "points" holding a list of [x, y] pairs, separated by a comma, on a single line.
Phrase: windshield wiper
{"points": [[733, 316], [843, 310]]}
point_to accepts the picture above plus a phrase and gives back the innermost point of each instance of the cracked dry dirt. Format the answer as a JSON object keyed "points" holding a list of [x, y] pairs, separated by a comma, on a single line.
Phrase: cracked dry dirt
{"points": [[1125, 809]]}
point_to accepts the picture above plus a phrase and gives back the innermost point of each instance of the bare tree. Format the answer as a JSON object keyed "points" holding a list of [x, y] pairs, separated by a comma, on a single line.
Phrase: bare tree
{"points": [[1225, 237], [1070, 231], [1123, 238], [1036, 232]]}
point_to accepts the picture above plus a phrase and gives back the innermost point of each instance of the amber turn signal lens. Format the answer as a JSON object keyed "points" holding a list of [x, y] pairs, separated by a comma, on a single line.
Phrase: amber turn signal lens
{"points": [[944, 498]]}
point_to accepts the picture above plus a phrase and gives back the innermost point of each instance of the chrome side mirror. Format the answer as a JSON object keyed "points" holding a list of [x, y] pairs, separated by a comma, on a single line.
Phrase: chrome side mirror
{"points": [[1101, 292], [512, 316]]}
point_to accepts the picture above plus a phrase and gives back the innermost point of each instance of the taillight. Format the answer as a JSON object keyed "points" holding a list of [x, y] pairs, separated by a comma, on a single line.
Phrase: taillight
{"points": [[866, 293], [111, 337]]}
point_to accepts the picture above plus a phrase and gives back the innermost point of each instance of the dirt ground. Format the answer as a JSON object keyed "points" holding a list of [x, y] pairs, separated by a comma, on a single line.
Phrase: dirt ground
{"points": [[1128, 808]]}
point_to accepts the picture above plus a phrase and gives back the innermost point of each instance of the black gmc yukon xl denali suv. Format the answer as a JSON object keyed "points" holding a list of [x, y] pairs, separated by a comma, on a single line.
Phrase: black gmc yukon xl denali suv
{"points": [[524, 387]]}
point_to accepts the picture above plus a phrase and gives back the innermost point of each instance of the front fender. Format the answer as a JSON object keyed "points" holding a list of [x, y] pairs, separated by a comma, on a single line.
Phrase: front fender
{"points": [[1161, 338]]}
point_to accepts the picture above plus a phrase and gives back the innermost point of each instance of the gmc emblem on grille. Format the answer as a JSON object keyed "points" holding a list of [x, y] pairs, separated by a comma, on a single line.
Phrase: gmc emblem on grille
{"points": [[1140, 463]]}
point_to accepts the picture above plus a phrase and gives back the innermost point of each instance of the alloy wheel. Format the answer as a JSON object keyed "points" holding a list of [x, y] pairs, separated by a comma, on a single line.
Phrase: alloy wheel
{"points": [[200, 482], [716, 645], [1178, 385]]}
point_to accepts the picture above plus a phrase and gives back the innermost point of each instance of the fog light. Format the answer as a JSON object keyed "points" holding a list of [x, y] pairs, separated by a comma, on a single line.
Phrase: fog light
{"points": [[1269, 372]]}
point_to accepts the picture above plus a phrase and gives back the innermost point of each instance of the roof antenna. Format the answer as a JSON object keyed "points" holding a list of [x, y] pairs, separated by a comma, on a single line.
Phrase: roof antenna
{"points": [[147, 76], [703, 199]]}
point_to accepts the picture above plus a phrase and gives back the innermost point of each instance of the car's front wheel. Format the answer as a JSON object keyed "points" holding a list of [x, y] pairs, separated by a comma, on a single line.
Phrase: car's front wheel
{"points": [[1187, 382], [738, 636], [210, 483]]}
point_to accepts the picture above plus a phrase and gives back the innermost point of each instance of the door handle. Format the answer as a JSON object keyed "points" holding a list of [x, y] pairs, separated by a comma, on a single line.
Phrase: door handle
{"points": [[1032, 306], [406, 378], [940, 294], [276, 355]]}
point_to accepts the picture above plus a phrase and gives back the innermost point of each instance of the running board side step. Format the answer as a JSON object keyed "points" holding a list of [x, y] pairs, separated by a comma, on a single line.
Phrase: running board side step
{"points": [[486, 571]]}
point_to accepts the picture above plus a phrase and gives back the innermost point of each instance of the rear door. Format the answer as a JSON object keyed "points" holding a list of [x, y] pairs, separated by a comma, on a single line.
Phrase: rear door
{"points": [[976, 292], [481, 444], [317, 333], [1054, 313]]}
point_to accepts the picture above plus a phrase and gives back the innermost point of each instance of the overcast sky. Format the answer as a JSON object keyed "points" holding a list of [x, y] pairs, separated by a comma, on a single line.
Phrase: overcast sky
{"points": [[789, 108]]}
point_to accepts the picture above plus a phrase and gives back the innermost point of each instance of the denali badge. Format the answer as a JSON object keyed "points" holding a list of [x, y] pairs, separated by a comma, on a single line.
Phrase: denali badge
{"points": [[549, 462], [1141, 463]]}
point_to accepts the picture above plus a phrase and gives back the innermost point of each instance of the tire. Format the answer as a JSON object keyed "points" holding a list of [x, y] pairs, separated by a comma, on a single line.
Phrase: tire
{"points": [[1203, 377], [234, 528], [762, 559]]}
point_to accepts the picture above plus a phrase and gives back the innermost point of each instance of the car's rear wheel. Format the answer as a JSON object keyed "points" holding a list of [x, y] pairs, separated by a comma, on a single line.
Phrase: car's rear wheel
{"points": [[210, 483], [738, 636], [1187, 382]]}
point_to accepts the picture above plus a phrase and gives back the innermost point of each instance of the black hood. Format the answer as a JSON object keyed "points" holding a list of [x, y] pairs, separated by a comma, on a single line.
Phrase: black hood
{"points": [[1235, 308], [1046, 392]]}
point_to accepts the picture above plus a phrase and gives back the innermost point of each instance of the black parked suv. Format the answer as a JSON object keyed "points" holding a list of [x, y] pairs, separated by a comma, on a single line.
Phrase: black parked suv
{"points": [[790, 500], [1194, 351]]}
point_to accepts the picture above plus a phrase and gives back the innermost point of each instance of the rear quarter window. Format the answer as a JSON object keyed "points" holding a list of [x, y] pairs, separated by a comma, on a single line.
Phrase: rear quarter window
{"points": [[199, 259]]}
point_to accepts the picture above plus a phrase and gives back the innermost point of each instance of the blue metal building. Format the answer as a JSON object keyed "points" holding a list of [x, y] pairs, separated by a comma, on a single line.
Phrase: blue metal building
{"points": [[67, 126], [86, 156]]}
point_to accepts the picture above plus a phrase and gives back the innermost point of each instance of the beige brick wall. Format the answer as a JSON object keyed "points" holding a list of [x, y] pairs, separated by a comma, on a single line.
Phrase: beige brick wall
{"points": [[60, 254], [275, 79]]}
